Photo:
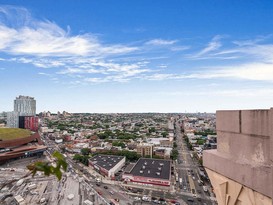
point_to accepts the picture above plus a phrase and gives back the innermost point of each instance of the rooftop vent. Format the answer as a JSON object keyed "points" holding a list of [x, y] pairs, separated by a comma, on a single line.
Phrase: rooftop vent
{"points": [[145, 163], [161, 164], [143, 167], [110, 164], [149, 171], [153, 162], [141, 171], [159, 168], [158, 173]]}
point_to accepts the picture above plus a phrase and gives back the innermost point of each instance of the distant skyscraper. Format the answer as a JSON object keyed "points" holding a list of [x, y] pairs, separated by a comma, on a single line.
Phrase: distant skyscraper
{"points": [[23, 106]]}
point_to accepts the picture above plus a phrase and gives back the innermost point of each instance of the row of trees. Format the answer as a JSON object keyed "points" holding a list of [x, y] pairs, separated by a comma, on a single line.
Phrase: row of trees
{"points": [[205, 132], [117, 134], [84, 156], [130, 156]]}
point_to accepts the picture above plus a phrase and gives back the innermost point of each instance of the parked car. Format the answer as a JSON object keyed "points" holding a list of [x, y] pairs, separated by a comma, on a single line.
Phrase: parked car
{"points": [[190, 200], [137, 198]]}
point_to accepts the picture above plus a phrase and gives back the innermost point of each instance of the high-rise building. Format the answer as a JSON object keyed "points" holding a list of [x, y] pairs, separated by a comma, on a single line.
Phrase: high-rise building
{"points": [[23, 106], [13, 119]]}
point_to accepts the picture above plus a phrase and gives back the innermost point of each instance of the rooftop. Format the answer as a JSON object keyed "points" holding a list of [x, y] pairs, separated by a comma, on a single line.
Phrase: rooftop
{"points": [[13, 133], [106, 161], [153, 168]]}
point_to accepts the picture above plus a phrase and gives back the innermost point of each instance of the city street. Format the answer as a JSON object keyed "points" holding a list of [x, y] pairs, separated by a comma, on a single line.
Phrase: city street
{"points": [[187, 168]]}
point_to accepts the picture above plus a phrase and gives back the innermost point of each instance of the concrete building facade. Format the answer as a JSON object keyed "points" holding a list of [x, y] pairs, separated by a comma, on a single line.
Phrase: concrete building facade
{"points": [[13, 119], [25, 105], [241, 169]]}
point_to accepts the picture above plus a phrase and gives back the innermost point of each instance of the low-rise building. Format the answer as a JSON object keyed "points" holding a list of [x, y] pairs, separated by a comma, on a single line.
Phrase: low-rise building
{"points": [[107, 165], [155, 173]]}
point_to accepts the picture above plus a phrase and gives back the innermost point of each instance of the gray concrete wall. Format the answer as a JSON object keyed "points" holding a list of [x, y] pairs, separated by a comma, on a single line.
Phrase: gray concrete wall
{"points": [[245, 148]]}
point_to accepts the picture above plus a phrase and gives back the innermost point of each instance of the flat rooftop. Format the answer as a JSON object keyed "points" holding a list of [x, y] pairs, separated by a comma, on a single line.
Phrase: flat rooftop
{"points": [[152, 168], [106, 161]]}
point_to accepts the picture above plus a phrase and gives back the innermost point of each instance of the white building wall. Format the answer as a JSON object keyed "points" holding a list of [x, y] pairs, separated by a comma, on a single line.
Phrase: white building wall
{"points": [[116, 168]]}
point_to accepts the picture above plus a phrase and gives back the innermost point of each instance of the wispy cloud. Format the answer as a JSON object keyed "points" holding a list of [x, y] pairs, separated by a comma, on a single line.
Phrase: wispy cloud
{"points": [[251, 71], [161, 42], [213, 45], [46, 38]]}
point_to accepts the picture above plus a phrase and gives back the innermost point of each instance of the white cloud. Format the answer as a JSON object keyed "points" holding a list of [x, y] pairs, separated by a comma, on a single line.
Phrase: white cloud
{"points": [[251, 92], [161, 42], [213, 45], [45, 38], [251, 71]]}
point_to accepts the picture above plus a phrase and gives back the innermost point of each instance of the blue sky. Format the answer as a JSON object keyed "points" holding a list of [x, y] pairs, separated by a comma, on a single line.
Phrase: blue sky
{"points": [[137, 56]]}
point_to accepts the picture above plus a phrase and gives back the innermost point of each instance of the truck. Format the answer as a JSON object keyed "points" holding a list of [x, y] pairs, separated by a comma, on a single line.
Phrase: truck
{"points": [[32, 186]]}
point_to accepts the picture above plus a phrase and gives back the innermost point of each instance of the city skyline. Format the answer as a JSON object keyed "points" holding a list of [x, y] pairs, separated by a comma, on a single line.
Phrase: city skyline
{"points": [[139, 56]]}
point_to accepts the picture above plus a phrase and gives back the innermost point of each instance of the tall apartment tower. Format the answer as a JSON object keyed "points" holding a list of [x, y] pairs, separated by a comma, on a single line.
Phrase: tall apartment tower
{"points": [[25, 105]]}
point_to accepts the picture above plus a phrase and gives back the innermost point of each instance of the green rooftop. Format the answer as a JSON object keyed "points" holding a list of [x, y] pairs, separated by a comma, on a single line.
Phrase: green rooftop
{"points": [[13, 133]]}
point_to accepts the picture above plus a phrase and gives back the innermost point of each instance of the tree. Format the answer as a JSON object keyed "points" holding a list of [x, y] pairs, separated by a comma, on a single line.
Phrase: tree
{"points": [[85, 151], [81, 158], [151, 129], [174, 154], [119, 144], [200, 141], [164, 134], [77, 157], [174, 145]]}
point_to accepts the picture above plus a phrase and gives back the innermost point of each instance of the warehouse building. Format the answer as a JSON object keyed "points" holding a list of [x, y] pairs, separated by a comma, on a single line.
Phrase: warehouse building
{"points": [[149, 172], [107, 165]]}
